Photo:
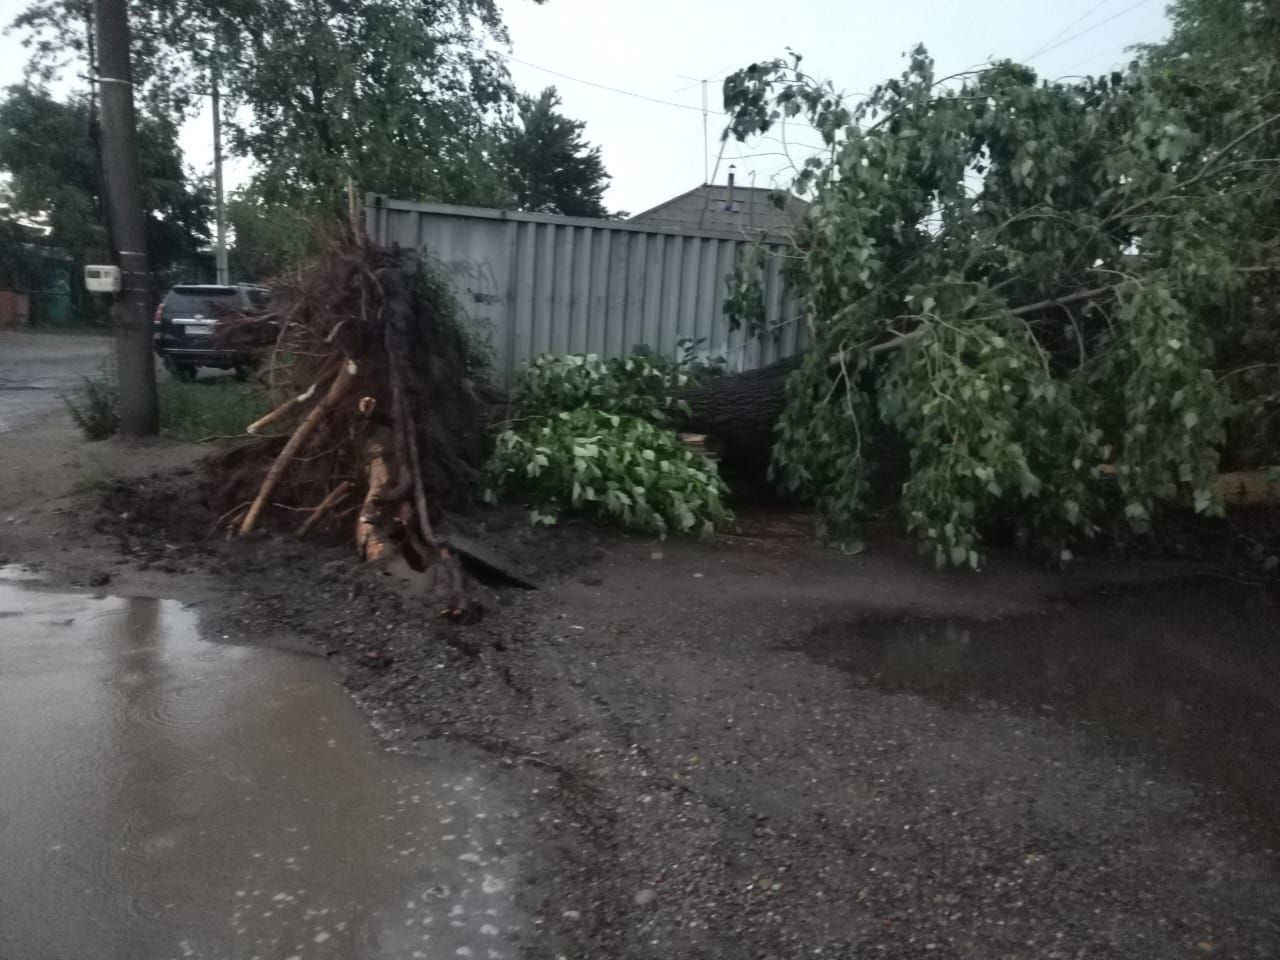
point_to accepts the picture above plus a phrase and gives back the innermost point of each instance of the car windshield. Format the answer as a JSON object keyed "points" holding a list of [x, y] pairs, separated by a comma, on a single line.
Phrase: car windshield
{"points": [[202, 302]]}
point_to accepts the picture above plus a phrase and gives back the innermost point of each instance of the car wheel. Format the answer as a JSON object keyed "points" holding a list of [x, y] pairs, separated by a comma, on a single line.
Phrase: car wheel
{"points": [[242, 372], [186, 372]]}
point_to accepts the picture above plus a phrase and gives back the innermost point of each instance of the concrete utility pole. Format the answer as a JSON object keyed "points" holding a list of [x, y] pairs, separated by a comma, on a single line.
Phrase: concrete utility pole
{"points": [[220, 250], [135, 369]]}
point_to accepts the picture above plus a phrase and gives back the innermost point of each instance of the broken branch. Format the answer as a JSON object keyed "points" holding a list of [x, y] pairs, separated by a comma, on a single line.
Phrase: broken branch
{"points": [[341, 383], [281, 411]]}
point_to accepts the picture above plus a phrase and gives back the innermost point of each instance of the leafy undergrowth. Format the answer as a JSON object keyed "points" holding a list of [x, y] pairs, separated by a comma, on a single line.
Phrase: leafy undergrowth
{"points": [[618, 469], [592, 437]]}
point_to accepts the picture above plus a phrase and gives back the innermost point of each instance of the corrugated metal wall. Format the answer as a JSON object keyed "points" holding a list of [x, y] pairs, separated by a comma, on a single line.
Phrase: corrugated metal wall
{"points": [[543, 284]]}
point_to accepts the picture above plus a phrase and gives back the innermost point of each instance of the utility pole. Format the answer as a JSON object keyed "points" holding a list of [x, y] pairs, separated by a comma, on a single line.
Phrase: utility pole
{"points": [[135, 369], [220, 250]]}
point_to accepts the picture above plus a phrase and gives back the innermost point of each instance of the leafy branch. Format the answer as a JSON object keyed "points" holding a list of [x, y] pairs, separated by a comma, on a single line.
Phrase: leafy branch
{"points": [[949, 273]]}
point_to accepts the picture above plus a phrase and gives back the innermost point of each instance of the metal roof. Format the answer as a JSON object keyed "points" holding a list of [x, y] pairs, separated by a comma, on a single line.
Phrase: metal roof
{"points": [[736, 212]]}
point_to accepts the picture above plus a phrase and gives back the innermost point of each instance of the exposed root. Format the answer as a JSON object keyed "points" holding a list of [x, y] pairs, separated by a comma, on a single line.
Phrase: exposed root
{"points": [[282, 411], [360, 321], [335, 497], [341, 384], [371, 542]]}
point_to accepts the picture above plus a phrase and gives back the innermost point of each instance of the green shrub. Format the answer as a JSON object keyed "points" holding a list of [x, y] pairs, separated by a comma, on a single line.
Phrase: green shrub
{"points": [[617, 468], [94, 407], [637, 386], [594, 436]]}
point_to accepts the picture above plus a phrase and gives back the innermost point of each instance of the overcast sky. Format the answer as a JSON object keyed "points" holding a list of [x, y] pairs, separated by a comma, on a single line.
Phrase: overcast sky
{"points": [[660, 49]]}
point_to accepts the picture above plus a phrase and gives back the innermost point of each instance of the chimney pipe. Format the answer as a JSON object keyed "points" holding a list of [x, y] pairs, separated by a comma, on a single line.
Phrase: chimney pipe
{"points": [[730, 205]]}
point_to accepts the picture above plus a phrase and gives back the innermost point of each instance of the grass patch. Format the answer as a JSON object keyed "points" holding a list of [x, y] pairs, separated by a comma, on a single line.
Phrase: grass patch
{"points": [[218, 407]]}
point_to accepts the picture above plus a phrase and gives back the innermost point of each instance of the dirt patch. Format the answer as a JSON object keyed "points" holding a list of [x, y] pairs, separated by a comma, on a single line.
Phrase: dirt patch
{"points": [[727, 768], [51, 487]]}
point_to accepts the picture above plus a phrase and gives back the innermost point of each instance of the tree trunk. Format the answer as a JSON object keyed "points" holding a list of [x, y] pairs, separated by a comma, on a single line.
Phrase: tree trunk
{"points": [[135, 368], [739, 411]]}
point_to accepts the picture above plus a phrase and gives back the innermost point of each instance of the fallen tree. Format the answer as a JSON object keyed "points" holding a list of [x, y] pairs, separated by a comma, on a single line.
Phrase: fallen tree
{"points": [[371, 376], [738, 410], [1025, 281]]}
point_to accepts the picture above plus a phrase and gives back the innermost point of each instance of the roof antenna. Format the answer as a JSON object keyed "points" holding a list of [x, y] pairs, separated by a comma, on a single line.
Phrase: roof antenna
{"points": [[706, 130], [706, 137]]}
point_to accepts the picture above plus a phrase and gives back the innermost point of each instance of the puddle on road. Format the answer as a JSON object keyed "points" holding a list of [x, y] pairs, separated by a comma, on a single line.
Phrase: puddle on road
{"points": [[163, 796], [1188, 674]]}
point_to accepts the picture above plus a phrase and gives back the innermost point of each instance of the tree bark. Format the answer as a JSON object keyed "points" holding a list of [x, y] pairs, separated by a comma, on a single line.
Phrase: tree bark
{"points": [[740, 410], [135, 369], [371, 543]]}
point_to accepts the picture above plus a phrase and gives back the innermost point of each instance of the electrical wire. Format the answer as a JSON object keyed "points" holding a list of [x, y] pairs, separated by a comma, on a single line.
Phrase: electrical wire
{"points": [[715, 76], [1114, 58], [1096, 26], [1065, 30], [601, 86]]}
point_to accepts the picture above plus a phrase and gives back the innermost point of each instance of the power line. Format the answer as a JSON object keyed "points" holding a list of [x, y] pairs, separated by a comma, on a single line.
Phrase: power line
{"points": [[1096, 26], [601, 86], [666, 103], [715, 76], [1070, 26], [1116, 57]]}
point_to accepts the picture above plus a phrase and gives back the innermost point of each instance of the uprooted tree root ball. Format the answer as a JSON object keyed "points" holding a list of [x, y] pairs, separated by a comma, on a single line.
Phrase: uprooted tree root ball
{"points": [[376, 422]]}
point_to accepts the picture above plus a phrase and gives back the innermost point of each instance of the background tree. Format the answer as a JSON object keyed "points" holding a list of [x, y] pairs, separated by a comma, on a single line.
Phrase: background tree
{"points": [[54, 177], [550, 167], [396, 95], [271, 237], [19, 253], [390, 93]]}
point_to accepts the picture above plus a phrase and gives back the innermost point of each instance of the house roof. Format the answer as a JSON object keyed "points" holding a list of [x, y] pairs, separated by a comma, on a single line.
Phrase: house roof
{"points": [[708, 209]]}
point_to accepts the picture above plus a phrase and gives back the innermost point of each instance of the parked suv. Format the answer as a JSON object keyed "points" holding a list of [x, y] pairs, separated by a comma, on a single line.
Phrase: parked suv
{"points": [[185, 326]]}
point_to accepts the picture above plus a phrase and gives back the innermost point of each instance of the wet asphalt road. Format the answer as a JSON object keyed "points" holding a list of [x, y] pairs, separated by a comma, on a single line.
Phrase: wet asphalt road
{"points": [[37, 368], [166, 796]]}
